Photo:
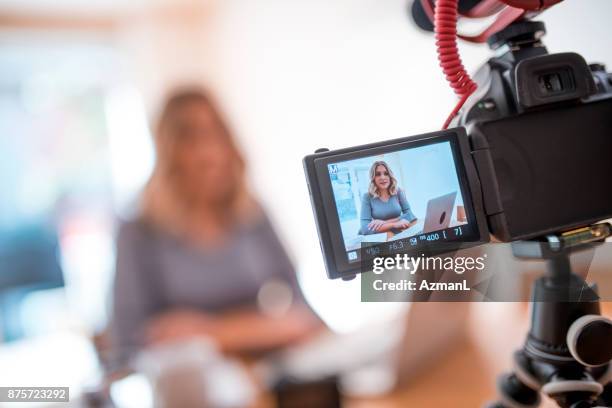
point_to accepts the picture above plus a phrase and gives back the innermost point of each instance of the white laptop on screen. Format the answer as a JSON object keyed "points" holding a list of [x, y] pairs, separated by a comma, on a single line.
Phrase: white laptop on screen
{"points": [[439, 212], [437, 217]]}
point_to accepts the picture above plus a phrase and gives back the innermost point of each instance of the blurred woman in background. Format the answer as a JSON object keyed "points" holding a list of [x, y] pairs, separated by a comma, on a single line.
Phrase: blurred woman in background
{"points": [[202, 259]]}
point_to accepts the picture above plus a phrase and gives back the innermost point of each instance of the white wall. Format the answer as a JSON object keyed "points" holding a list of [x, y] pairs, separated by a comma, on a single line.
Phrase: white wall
{"points": [[299, 75]]}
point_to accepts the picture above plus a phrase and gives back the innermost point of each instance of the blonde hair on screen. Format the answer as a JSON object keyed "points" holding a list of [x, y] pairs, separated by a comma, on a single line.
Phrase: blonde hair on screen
{"points": [[372, 188]]}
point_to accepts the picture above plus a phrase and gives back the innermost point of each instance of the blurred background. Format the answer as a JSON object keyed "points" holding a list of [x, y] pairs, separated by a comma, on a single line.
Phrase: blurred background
{"points": [[80, 83]]}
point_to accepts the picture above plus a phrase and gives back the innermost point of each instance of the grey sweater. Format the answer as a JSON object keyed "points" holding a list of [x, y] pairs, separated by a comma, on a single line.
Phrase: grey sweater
{"points": [[373, 208], [157, 271]]}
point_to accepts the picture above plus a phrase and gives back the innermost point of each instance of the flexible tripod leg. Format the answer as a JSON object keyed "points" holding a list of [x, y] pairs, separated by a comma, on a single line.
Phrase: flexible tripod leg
{"points": [[605, 400], [570, 364], [605, 378], [571, 386], [568, 350], [520, 388], [513, 393], [574, 393]]}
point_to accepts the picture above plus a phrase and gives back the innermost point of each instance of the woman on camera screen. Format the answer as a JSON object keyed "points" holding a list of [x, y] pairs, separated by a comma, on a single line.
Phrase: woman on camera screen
{"points": [[384, 208]]}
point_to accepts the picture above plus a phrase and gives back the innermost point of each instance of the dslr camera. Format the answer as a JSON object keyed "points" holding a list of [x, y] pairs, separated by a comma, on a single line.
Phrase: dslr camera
{"points": [[529, 154]]}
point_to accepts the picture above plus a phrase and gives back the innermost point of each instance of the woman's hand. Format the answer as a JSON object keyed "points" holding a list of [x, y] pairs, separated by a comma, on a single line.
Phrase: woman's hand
{"points": [[375, 225], [403, 224], [242, 330], [180, 324]]}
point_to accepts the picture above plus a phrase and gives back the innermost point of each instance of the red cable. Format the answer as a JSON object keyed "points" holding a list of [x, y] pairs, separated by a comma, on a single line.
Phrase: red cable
{"points": [[445, 23]]}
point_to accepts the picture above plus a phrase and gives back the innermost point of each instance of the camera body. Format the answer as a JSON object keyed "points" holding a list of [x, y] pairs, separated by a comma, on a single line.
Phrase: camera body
{"points": [[540, 129], [530, 155]]}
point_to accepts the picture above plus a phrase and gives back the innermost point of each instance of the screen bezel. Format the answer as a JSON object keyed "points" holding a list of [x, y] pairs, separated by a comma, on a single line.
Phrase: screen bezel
{"points": [[324, 204]]}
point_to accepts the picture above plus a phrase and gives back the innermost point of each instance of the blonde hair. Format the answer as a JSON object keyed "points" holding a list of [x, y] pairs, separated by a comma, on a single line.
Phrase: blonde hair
{"points": [[162, 203], [372, 188]]}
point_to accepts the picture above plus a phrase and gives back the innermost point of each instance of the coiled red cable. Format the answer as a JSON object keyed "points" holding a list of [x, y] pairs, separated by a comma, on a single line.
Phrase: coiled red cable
{"points": [[445, 23]]}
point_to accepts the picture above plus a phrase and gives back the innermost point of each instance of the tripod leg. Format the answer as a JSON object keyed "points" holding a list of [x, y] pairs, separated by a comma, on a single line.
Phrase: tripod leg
{"points": [[605, 399], [605, 379], [513, 393], [573, 393]]}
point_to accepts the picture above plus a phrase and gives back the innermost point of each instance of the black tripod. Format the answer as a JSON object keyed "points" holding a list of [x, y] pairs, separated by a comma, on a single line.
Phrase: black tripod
{"points": [[568, 349]]}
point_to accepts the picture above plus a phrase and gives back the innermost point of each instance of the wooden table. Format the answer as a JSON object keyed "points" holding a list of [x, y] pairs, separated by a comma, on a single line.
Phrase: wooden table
{"points": [[466, 378]]}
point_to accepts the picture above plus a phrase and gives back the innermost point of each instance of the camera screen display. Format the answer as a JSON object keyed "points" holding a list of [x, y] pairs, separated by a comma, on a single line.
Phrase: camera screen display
{"points": [[410, 196]]}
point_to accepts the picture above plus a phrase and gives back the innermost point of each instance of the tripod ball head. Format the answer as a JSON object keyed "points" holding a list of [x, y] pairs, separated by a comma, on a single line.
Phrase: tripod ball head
{"points": [[589, 338]]}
